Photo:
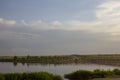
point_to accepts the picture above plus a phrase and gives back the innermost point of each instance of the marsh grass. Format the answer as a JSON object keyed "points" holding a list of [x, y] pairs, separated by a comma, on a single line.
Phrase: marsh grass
{"points": [[30, 76]]}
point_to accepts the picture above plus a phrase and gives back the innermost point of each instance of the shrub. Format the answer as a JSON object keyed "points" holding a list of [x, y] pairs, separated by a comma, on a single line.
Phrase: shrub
{"points": [[56, 77], [43, 76], [102, 74], [116, 71], [98, 74], [79, 75], [85, 75], [2, 77]]}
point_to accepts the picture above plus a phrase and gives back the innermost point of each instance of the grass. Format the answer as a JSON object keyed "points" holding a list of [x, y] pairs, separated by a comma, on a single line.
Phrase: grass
{"points": [[30, 76]]}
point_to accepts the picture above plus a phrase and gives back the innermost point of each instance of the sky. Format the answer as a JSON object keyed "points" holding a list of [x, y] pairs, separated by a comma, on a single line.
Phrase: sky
{"points": [[59, 27]]}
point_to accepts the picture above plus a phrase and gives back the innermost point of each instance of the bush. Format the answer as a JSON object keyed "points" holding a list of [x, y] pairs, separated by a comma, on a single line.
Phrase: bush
{"points": [[1, 77], [86, 75], [116, 71], [56, 77], [43, 76], [79, 75], [98, 74], [102, 74]]}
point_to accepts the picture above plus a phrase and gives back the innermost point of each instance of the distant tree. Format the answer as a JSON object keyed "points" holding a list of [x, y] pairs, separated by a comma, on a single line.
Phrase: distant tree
{"points": [[15, 58], [28, 56]]}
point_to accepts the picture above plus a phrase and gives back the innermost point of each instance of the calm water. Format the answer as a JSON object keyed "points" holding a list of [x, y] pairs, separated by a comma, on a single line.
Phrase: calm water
{"points": [[55, 69]]}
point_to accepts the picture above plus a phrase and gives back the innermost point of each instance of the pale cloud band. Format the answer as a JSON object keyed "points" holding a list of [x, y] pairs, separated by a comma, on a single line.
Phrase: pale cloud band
{"points": [[107, 21], [7, 22]]}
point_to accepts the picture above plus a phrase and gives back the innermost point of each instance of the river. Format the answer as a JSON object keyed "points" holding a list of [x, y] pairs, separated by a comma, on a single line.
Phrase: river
{"points": [[61, 69]]}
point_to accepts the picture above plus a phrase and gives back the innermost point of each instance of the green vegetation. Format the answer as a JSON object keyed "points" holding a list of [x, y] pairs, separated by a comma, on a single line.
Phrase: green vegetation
{"points": [[30, 76], [103, 74], [2, 77], [86, 75], [79, 75]]}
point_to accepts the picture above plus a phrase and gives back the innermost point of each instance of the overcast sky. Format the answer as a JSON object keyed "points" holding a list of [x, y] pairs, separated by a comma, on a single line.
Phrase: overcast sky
{"points": [[58, 27]]}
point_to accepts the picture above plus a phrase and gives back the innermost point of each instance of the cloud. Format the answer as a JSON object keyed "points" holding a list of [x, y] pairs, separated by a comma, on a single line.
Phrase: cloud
{"points": [[56, 23], [7, 22], [109, 9], [109, 14], [107, 19], [36, 25], [24, 23]]}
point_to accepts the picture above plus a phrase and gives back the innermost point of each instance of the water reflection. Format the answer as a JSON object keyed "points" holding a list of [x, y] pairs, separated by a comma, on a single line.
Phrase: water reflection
{"points": [[15, 63], [44, 64]]}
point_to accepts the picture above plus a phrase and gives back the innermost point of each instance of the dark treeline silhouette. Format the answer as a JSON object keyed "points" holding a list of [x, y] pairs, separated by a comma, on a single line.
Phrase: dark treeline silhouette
{"points": [[42, 59], [113, 59]]}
